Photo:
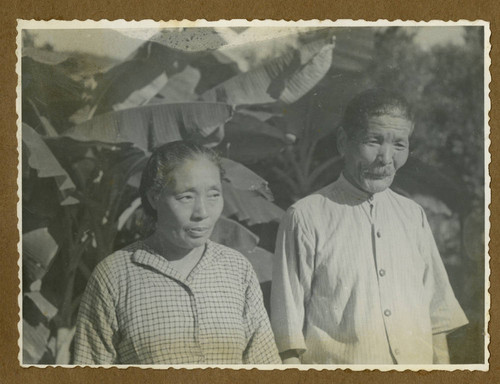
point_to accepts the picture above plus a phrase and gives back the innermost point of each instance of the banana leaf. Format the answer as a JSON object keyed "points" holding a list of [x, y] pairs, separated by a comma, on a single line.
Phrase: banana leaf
{"points": [[35, 340], [143, 95], [250, 47], [135, 81], [45, 56], [249, 206], [248, 139], [262, 263], [37, 312], [354, 49], [149, 126], [47, 91], [244, 179], [40, 158], [286, 78], [189, 40], [234, 235], [247, 196], [39, 249], [179, 87]]}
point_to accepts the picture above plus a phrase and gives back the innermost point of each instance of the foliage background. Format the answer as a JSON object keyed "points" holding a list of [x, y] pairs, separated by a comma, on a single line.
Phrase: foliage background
{"points": [[290, 144]]}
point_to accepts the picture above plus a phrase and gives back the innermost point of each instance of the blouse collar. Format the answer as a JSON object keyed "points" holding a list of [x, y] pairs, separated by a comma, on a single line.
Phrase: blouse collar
{"points": [[145, 255]]}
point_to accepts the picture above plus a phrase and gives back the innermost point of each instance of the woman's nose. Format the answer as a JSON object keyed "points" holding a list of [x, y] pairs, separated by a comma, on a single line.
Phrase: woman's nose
{"points": [[200, 209]]}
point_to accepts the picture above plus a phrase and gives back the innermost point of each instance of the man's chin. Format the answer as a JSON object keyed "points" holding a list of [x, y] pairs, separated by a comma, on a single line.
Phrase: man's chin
{"points": [[377, 185]]}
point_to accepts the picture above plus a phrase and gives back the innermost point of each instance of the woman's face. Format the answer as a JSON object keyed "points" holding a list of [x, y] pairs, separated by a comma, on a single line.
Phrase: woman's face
{"points": [[188, 209]]}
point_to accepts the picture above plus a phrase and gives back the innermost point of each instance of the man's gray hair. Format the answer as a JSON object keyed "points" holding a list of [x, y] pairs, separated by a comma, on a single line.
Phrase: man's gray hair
{"points": [[373, 102]]}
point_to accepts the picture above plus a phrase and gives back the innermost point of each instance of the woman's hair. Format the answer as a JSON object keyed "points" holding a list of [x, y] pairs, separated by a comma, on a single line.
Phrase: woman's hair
{"points": [[164, 160], [370, 103]]}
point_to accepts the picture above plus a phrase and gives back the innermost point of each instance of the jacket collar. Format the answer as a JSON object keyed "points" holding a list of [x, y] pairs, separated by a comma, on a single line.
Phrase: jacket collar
{"points": [[354, 194]]}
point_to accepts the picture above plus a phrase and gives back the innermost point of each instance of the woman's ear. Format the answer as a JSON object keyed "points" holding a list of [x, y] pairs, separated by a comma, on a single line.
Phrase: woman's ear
{"points": [[341, 141]]}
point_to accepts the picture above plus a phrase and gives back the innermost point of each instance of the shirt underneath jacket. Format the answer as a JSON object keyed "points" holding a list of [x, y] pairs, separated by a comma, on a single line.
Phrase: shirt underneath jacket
{"points": [[358, 279], [137, 309]]}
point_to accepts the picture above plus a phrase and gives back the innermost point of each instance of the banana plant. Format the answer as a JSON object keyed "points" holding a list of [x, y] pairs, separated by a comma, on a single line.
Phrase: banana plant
{"points": [[78, 204]]}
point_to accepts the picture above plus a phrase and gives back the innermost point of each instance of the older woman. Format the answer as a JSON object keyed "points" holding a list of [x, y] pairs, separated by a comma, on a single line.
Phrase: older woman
{"points": [[176, 297]]}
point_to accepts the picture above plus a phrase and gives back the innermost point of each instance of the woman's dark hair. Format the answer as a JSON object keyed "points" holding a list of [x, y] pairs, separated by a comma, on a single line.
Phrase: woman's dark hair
{"points": [[373, 102], [163, 161]]}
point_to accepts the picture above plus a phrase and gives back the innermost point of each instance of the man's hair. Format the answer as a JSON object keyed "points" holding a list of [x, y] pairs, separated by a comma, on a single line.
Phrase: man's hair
{"points": [[370, 103], [164, 160]]}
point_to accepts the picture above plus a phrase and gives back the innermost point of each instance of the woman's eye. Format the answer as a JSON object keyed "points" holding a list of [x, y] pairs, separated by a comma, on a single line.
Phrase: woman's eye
{"points": [[185, 198], [214, 195]]}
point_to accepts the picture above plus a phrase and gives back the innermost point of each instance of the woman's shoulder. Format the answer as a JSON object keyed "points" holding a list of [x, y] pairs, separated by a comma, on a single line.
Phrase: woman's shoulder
{"points": [[117, 261], [224, 251], [226, 254]]}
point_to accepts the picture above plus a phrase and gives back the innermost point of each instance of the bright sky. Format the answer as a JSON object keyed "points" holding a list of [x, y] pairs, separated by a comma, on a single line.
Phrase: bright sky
{"points": [[102, 42], [429, 36], [109, 42]]}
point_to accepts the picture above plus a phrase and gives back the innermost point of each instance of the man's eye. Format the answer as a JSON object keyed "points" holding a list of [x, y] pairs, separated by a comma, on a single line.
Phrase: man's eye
{"points": [[185, 198], [372, 141], [214, 195], [401, 146]]}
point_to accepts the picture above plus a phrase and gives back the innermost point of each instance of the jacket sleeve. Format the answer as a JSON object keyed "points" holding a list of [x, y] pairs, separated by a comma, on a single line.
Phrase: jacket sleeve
{"points": [[293, 269], [445, 311]]}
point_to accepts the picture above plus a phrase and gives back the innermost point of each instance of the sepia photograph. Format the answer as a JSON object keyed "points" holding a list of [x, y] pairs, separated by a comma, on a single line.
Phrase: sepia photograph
{"points": [[244, 194]]}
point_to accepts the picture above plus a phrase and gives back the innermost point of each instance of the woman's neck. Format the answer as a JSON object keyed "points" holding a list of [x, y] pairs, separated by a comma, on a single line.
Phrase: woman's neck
{"points": [[170, 251]]}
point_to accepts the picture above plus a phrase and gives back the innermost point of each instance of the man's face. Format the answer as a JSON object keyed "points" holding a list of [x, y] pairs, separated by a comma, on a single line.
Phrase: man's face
{"points": [[373, 155]]}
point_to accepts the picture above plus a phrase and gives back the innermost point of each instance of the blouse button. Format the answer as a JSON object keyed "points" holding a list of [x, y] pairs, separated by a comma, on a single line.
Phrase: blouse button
{"points": [[381, 272], [379, 235], [387, 312]]}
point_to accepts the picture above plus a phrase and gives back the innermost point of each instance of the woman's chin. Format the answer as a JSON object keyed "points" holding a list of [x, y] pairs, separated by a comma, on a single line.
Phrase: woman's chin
{"points": [[195, 241]]}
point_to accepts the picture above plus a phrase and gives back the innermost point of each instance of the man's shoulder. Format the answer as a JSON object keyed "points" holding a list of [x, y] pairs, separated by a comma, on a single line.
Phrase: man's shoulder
{"points": [[405, 203], [317, 199]]}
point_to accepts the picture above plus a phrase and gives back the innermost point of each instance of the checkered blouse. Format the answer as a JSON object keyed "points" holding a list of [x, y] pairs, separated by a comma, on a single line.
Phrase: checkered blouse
{"points": [[136, 309]]}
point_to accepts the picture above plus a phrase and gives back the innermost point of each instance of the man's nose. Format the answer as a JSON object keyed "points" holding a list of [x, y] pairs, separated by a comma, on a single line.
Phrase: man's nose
{"points": [[200, 209], [385, 154]]}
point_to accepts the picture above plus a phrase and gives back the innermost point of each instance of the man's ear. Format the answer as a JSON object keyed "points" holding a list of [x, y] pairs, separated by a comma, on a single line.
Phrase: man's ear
{"points": [[341, 141]]}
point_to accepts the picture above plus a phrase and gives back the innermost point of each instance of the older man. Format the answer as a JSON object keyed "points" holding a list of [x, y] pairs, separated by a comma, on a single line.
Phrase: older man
{"points": [[358, 278]]}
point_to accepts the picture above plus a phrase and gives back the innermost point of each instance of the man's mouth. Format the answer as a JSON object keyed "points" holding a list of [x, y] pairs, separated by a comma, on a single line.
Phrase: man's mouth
{"points": [[377, 176]]}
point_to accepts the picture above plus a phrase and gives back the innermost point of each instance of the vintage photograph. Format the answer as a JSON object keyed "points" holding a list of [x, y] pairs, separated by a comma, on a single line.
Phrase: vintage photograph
{"points": [[254, 194]]}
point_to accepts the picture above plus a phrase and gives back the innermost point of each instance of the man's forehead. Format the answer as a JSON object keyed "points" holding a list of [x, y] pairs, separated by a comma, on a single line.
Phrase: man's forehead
{"points": [[396, 123]]}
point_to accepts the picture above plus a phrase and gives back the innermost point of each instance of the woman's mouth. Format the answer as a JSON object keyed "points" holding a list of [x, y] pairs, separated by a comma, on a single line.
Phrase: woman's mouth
{"points": [[198, 231]]}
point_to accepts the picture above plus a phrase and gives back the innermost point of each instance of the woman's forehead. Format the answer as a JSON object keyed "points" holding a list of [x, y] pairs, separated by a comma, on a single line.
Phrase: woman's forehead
{"points": [[196, 172]]}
